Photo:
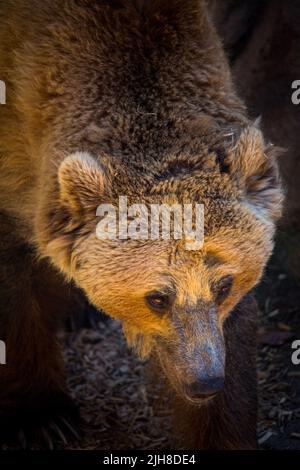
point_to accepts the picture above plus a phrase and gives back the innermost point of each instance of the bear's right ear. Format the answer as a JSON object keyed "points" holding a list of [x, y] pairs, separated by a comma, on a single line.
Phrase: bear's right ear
{"points": [[81, 183]]}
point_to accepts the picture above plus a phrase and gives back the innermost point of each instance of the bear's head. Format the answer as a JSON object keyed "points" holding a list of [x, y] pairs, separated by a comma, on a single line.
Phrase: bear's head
{"points": [[172, 300]]}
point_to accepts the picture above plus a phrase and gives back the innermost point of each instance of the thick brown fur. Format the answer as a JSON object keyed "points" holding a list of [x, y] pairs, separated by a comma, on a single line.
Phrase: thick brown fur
{"points": [[130, 98]]}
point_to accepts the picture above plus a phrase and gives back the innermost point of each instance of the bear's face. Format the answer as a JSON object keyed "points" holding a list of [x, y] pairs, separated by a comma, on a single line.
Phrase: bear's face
{"points": [[172, 300], [121, 276]]}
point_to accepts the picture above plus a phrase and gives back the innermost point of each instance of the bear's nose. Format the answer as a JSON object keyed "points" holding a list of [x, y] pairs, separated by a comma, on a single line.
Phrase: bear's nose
{"points": [[205, 388]]}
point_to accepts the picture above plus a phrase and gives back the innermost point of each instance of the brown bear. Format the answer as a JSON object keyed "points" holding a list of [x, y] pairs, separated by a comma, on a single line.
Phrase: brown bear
{"points": [[130, 98]]}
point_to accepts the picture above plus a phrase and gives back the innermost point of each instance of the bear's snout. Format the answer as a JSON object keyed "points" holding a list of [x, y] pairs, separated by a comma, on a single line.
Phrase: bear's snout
{"points": [[202, 369], [194, 359]]}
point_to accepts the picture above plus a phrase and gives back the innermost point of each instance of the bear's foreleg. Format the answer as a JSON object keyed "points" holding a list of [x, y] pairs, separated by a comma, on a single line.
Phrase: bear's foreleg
{"points": [[33, 399]]}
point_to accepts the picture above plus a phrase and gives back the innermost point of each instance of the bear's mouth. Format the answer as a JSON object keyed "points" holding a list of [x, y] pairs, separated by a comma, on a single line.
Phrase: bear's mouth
{"points": [[200, 400]]}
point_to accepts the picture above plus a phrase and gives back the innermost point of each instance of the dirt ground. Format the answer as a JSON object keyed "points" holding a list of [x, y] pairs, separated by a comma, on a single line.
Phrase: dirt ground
{"points": [[112, 389], [278, 377], [122, 408]]}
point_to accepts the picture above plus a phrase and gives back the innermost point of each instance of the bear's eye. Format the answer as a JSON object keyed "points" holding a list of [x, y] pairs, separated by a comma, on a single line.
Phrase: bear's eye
{"points": [[159, 301], [223, 288]]}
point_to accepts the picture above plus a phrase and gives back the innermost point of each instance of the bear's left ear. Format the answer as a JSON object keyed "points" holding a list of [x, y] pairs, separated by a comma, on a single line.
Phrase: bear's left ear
{"points": [[254, 166], [81, 183]]}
